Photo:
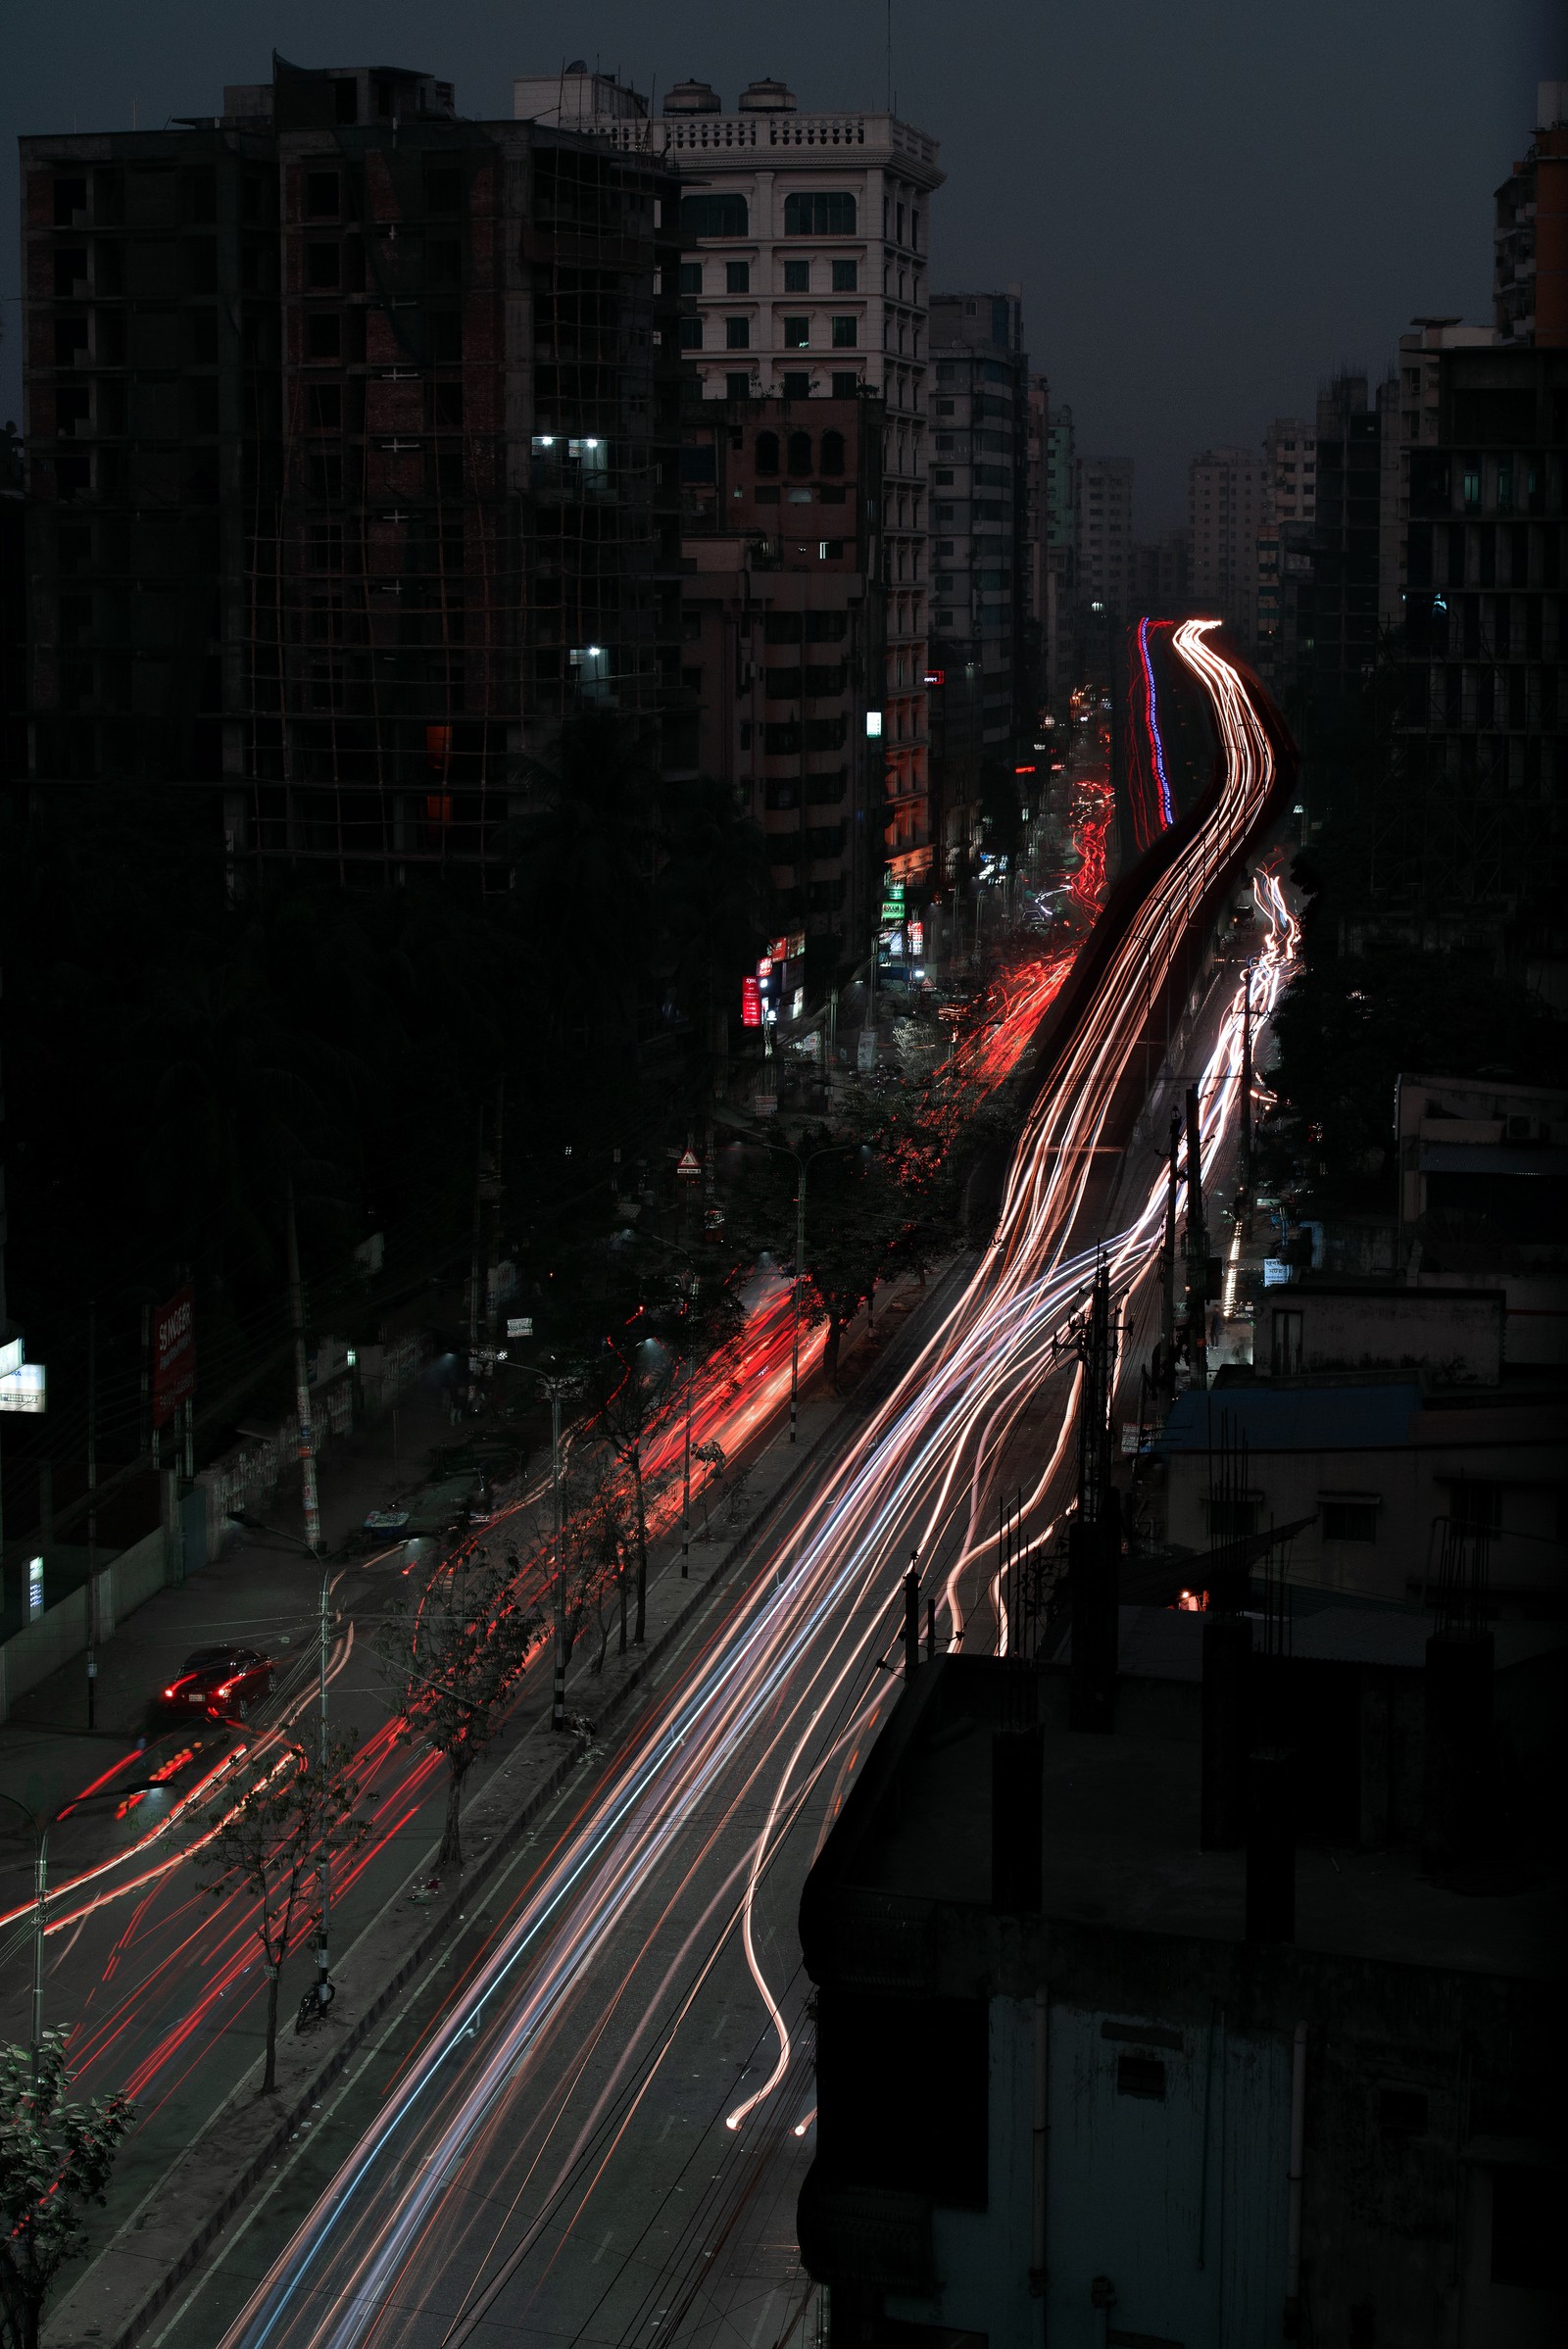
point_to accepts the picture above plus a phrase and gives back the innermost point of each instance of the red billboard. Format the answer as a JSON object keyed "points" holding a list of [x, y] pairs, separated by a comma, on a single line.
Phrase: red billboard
{"points": [[751, 1003], [173, 1354]]}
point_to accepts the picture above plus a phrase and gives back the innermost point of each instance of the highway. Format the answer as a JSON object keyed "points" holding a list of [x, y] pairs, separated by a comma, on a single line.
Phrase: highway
{"points": [[596, 2133]]}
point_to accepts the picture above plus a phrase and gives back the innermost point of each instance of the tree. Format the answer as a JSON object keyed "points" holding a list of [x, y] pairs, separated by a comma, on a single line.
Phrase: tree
{"points": [[458, 1652], [55, 2157], [630, 1388], [268, 1845]]}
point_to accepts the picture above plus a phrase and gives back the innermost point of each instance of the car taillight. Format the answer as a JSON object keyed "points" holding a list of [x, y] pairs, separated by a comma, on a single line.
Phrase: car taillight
{"points": [[226, 1688], [173, 1692]]}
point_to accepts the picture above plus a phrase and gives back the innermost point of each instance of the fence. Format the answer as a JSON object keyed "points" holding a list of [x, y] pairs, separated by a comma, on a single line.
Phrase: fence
{"points": [[60, 1633]]}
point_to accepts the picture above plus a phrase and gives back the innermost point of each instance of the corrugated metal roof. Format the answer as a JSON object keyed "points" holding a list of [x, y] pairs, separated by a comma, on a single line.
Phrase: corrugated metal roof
{"points": [[1294, 1418]]}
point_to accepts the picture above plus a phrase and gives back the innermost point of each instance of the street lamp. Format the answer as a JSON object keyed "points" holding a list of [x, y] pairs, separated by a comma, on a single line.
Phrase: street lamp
{"points": [[40, 1896], [693, 1279], [556, 1384]]}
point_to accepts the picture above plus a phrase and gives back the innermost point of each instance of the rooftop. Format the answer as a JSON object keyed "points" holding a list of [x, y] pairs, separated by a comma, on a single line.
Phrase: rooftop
{"points": [[1120, 1843]]}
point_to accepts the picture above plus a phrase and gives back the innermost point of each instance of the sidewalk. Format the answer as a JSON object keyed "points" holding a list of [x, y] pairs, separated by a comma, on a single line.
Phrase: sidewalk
{"points": [[261, 1593], [176, 2206]]}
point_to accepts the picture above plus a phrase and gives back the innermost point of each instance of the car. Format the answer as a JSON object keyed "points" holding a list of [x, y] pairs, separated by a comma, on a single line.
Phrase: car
{"points": [[221, 1684]]}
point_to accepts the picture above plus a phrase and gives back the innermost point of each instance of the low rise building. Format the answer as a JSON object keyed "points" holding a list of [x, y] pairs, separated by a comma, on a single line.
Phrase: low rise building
{"points": [[1088, 2072]]}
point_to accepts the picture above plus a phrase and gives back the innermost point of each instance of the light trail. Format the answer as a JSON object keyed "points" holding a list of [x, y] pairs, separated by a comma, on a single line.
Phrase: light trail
{"points": [[359, 2270]]}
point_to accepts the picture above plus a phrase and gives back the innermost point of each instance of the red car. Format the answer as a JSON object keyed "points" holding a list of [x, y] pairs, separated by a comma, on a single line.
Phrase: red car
{"points": [[220, 1682]]}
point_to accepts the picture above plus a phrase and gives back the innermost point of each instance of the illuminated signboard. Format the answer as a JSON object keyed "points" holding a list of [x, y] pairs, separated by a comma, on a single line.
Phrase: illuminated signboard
{"points": [[173, 1354], [873, 724], [751, 1003]]}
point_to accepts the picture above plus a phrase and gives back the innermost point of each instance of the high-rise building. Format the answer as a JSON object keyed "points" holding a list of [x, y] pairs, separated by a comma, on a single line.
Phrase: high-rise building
{"points": [[784, 652], [1529, 271], [1060, 607], [1289, 457], [353, 433], [1105, 504], [980, 613], [806, 252], [1409, 421], [1227, 500], [1338, 614]]}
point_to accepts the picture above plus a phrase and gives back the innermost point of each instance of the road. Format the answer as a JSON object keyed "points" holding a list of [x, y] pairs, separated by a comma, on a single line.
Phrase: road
{"points": [[596, 2133]]}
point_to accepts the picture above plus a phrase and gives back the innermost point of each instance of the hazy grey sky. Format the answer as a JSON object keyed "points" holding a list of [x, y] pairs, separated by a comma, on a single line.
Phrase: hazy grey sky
{"points": [[1208, 208]]}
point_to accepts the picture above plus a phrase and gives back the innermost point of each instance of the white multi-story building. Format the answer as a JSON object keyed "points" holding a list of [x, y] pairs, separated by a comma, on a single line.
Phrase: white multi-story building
{"points": [[807, 244], [1227, 502], [1105, 535]]}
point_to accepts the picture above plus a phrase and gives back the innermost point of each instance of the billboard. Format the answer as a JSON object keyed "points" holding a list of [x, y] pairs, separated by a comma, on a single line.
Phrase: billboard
{"points": [[173, 1354]]}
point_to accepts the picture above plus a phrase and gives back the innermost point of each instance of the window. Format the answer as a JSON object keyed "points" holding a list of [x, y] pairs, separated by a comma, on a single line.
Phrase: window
{"points": [[71, 338], [799, 453], [737, 276], [691, 334], [691, 277], [1402, 2112], [444, 262], [846, 334], [443, 188], [832, 452], [1287, 1361], [1141, 2076], [846, 276], [796, 334], [324, 335], [326, 477], [767, 452], [797, 277], [35, 1589], [321, 195], [846, 387], [945, 477], [781, 627], [713, 215], [449, 407], [1232, 1520], [324, 405], [818, 216], [1354, 1520], [323, 268], [826, 627], [737, 387], [737, 334], [796, 387], [346, 99], [71, 198]]}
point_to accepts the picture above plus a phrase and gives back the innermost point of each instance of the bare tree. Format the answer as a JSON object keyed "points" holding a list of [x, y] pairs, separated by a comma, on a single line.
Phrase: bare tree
{"points": [[629, 1392], [268, 1845], [457, 1652]]}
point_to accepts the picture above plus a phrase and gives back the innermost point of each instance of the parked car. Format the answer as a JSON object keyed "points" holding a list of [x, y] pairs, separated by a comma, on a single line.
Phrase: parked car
{"points": [[222, 1684]]}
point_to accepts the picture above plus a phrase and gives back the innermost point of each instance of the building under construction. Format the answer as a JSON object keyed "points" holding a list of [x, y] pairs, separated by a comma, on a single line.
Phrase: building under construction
{"points": [[352, 434]]}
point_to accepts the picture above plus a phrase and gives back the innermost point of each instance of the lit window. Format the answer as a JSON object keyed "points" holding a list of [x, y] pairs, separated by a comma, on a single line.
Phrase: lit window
{"points": [[796, 334]]}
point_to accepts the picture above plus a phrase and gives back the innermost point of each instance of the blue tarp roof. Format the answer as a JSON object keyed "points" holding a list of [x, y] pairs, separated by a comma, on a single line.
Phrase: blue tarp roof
{"points": [[1293, 1418]]}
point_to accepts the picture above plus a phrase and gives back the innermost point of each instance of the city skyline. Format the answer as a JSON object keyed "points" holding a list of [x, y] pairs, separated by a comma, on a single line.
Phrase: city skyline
{"points": [[1247, 325]]}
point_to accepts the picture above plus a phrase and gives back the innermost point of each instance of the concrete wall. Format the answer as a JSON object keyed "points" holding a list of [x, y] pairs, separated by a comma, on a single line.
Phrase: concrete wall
{"points": [[60, 1633], [1455, 1332]]}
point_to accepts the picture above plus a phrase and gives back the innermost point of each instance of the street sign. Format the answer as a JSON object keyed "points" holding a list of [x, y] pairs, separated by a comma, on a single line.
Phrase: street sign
{"points": [[689, 1165], [173, 1354], [520, 1325]]}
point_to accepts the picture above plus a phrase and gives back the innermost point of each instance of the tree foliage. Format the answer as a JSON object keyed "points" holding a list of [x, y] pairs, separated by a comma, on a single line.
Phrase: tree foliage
{"points": [[455, 1654], [292, 1809], [56, 2157]]}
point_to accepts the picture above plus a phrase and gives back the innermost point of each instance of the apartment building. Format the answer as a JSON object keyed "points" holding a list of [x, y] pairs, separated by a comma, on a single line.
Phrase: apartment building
{"points": [[1290, 458], [806, 243], [1105, 503], [1055, 556], [785, 647], [1227, 503], [352, 429], [1530, 236], [980, 616], [1338, 612]]}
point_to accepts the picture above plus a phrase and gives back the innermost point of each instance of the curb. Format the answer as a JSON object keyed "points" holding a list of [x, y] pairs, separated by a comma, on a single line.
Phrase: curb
{"points": [[76, 2326]]}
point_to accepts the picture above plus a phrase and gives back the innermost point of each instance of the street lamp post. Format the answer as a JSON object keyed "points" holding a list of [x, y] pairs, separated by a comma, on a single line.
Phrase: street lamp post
{"points": [[40, 1888]]}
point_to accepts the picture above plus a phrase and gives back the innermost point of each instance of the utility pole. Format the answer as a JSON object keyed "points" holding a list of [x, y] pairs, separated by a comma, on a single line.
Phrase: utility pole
{"points": [[324, 1966], [911, 1617], [92, 1510], [1245, 1185], [800, 1275], [302, 1385], [1168, 1258], [493, 1185], [1197, 1247], [473, 1260], [1095, 1538]]}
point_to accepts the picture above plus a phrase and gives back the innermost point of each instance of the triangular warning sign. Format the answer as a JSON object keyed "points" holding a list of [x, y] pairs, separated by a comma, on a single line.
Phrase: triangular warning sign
{"points": [[689, 1164]]}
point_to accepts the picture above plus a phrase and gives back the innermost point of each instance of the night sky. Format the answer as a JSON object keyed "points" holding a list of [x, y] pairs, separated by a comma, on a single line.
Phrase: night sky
{"points": [[1209, 209]]}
